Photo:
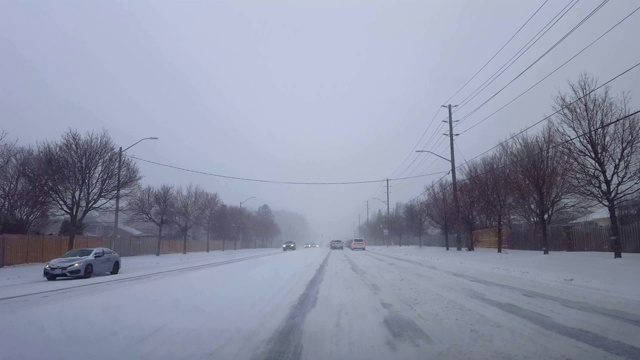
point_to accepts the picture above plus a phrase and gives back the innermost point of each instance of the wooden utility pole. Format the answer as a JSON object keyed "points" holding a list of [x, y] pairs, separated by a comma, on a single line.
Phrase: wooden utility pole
{"points": [[453, 176]]}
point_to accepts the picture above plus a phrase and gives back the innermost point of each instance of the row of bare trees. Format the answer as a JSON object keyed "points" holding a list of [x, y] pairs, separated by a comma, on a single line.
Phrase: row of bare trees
{"points": [[194, 209], [77, 175], [587, 155]]}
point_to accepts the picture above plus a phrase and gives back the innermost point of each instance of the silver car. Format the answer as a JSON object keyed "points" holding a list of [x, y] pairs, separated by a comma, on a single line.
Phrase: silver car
{"points": [[83, 263]]}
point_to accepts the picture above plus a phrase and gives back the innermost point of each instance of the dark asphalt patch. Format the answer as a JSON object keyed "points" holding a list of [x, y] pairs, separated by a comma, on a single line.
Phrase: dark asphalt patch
{"points": [[286, 343], [583, 336], [404, 329]]}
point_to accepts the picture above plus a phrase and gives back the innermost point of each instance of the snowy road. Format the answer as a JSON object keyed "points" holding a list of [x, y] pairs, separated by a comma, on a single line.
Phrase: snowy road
{"points": [[383, 303]]}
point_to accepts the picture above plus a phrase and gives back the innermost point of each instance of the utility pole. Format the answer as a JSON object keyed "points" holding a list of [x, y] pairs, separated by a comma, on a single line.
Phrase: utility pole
{"points": [[367, 212], [115, 223], [453, 175], [388, 217]]}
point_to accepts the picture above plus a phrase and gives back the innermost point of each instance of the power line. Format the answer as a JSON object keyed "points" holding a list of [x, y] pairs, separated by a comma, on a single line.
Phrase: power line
{"points": [[628, 116], [546, 118], [416, 145], [540, 57], [462, 87], [279, 181], [497, 52], [523, 50], [553, 72]]}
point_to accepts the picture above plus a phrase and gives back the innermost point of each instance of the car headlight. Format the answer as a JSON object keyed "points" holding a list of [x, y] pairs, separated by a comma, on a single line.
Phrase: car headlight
{"points": [[76, 264], [46, 266]]}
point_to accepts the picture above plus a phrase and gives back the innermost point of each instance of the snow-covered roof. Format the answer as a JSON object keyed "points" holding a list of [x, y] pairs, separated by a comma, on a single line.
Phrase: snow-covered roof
{"points": [[600, 213]]}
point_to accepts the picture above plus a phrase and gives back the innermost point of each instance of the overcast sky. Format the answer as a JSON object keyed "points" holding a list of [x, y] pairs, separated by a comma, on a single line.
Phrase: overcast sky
{"points": [[303, 91]]}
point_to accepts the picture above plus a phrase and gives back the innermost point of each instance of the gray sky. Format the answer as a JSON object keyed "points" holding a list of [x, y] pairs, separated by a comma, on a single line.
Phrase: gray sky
{"points": [[308, 91]]}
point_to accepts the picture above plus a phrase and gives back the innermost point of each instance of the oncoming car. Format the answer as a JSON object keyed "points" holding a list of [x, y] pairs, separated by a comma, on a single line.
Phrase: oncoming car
{"points": [[289, 245], [83, 263]]}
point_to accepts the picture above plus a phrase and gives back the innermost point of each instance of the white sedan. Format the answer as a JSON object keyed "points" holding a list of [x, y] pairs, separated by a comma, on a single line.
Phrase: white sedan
{"points": [[83, 263]]}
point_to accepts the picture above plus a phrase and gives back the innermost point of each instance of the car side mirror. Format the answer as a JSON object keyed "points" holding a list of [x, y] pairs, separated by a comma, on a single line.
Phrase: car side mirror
{"points": [[97, 256]]}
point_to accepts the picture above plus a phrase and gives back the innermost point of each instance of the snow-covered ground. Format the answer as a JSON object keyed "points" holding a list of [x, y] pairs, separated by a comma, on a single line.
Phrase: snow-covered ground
{"points": [[383, 303]]}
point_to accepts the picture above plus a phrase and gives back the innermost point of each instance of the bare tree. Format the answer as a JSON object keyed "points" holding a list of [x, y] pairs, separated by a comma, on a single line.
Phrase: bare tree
{"points": [[604, 154], [155, 205], [440, 207], [210, 205], [491, 179], [540, 178], [398, 223], [79, 174], [469, 209], [24, 203], [223, 226], [266, 227], [415, 214], [188, 211], [239, 220]]}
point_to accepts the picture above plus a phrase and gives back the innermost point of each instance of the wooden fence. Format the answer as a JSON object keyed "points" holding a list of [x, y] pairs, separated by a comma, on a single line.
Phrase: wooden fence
{"points": [[579, 237], [488, 238], [23, 249]]}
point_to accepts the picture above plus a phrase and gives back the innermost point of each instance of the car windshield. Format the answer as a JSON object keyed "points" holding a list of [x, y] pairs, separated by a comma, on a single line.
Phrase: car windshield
{"points": [[77, 253], [289, 243]]}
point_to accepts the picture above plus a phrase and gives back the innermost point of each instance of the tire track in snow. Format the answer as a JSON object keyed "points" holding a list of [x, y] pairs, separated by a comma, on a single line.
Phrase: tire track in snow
{"points": [[286, 343], [615, 314], [546, 322], [400, 327], [584, 336]]}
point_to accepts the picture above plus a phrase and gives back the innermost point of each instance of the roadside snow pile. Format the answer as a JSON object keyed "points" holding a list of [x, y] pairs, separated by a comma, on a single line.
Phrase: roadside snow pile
{"points": [[597, 271]]}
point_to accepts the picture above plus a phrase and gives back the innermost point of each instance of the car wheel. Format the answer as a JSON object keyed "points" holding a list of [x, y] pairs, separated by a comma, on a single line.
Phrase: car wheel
{"points": [[51, 277], [116, 268], [88, 271]]}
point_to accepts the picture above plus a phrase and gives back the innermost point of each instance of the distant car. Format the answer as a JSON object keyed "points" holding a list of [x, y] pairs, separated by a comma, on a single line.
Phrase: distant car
{"points": [[358, 244], [315, 245], [336, 244], [348, 243], [83, 263], [289, 245], [307, 246]]}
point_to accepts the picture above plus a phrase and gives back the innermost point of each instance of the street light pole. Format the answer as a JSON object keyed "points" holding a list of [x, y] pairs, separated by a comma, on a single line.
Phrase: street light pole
{"points": [[116, 217]]}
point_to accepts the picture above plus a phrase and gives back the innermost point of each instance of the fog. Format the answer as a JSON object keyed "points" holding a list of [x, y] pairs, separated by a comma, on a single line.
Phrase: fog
{"points": [[295, 91]]}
